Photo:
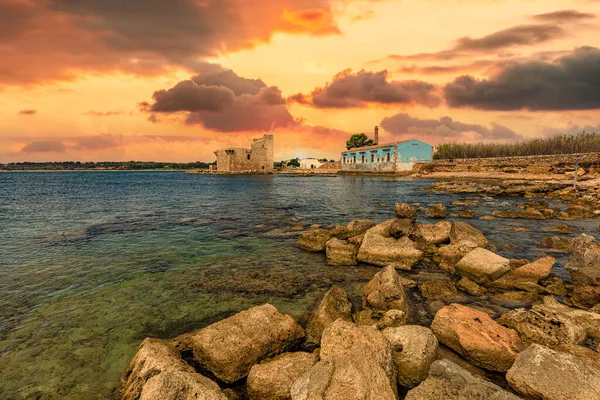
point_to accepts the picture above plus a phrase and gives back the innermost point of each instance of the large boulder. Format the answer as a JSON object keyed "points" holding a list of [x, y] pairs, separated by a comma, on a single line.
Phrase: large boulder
{"points": [[404, 210], [448, 256], [314, 240], [335, 304], [340, 252], [401, 227], [542, 373], [461, 231], [230, 347], [477, 337], [437, 211], [157, 372], [359, 226], [356, 364], [527, 276], [432, 233], [588, 320], [448, 381], [483, 266], [272, 379], [380, 248], [385, 292], [414, 350], [584, 262]]}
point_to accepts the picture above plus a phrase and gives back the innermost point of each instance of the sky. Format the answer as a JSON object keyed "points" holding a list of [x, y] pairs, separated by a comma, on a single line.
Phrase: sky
{"points": [[151, 80]]}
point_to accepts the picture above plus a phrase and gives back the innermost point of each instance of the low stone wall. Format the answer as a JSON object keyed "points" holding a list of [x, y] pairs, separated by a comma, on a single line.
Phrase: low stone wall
{"points": [[585, 159]]}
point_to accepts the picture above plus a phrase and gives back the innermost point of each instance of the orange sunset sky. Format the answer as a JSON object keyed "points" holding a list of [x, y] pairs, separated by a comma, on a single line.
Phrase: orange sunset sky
{"points": [[117, 80]]}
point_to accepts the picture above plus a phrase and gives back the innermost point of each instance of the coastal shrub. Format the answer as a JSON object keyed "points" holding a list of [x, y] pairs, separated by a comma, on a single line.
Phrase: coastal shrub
{"points": [[293, 163], [584, 142], [502, 164]]}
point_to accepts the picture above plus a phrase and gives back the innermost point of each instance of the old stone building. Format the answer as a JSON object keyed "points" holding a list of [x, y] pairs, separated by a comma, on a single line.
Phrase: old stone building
{"points": [[258, 158]]}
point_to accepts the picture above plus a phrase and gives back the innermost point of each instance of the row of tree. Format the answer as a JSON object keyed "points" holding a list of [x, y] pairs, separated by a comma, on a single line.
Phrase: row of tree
{"points": [[102, 165]]}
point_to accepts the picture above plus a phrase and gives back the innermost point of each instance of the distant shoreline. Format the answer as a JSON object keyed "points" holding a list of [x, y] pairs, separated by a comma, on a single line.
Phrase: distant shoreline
{"points": [[91, 170]]}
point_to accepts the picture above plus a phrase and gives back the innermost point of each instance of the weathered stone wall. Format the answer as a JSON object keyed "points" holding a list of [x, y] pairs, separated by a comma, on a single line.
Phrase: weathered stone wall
{"points": [[585, 159], [258, 158]]}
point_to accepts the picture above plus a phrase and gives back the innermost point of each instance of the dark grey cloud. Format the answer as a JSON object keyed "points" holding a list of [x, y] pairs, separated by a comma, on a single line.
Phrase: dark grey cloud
{"points": [[571, 82], [28, 112], [563, 16], [445, 129], [353, 90], [44, 146]]}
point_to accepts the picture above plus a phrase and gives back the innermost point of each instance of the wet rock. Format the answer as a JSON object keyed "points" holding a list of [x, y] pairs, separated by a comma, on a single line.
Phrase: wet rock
{"points": [[414, 348], [378, 248], [272, 379], [574, 212], [230, 347], [335, 304], [560, 228], [439, 289], [542, 373], [585, 296], [356, 364], [584, 262], [467, 214], [482, 266], [340, 252], [557, 243], [529, 213], [555, 286], [470, 286], [477, 337], [543, 325], [462, 231], [401, 227], [598, 228], [404, 210], [385, 292], [515, 298], [341, 232], [432, 233], [314, 240], [360, 226], [158, 372], [448, 256], [448, 381], [356, 240], [437, 211]]}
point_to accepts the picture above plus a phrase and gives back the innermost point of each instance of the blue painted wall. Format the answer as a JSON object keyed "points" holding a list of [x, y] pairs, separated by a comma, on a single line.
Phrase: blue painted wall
{"points": [[401, 157]]}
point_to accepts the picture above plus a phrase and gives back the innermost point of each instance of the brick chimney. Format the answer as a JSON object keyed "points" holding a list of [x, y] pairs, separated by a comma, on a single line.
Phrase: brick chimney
{"points": [[376, 140]]}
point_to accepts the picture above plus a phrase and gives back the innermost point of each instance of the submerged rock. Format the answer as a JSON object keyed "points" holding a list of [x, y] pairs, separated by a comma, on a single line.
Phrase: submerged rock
{"points": [[385, 292], [335, 304], [340, 252], [477, 337], [542, 373], [414, 350], [437, 211], [404, 210], [157, 372], [467, 214], [230, 347], [482, 266], [356, 364], [557, 243], [314, 240], [379, 248], [448, 381], [439, 289], [462, 231], [272, 379]]}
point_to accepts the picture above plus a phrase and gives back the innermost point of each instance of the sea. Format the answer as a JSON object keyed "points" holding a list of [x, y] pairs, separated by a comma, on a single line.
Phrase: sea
{"points": [[91, 263]]}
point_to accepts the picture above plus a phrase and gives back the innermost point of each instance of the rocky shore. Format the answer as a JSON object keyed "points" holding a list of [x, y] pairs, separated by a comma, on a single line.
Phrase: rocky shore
{"points": [[471, 325]]}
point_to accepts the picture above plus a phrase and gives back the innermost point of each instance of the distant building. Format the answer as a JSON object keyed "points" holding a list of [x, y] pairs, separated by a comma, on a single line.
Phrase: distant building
{"points": [[258, 158], [310, 163], [389, 157]]}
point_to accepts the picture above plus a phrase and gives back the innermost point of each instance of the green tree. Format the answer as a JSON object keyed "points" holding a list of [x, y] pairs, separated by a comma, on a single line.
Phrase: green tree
{"points": [[358, 140], [293, 163]]}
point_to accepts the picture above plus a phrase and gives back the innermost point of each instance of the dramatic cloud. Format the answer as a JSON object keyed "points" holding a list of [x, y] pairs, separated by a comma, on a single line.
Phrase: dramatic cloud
{"points": [[564, 16], [352, 90], [44, 146], [141, 36], [28, 112], [444, 129], [222, 101], [571, 82]]}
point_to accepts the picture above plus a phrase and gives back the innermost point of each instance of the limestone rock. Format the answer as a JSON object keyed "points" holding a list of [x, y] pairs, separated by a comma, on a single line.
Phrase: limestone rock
{"points": [[314, 240], [356, 364], [528, 213], [230, 347], [560, 228], [477, 337], [404, 210], [584, 262], [335, 304], [433, 233], [385, 292], [438, 289], [588, 356], [470, 286], [588, 320], [556, 243], [467, 214], [378, 248], [482, 266], [360, 226], [527, 276], [585, 296], [341, 232], [542, 373], [574, 212], [391, 318], [448, 256], [437, 211], [448, 381], [157, 372], [272, 379], [340, 252], [402, 227], [414, 350], [461, 231]]}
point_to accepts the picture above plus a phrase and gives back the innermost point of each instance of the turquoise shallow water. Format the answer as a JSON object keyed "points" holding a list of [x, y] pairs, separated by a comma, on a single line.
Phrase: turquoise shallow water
{"points": [[93, 262]]}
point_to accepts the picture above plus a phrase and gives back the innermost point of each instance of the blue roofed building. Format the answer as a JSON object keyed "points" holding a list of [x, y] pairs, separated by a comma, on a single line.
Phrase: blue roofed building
{"points": [[389, 157]]}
